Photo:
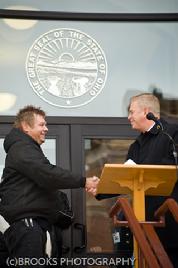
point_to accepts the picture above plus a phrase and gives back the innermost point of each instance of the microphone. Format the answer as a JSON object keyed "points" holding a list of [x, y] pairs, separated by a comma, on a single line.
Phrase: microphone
{"points": [[150, 116]]}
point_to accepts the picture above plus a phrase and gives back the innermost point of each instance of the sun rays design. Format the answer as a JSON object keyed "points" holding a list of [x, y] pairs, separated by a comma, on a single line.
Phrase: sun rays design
{"points": [[67, 67]]}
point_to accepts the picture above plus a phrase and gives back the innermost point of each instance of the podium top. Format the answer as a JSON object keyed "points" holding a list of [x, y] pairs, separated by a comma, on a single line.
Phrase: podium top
{"points": [[124, 179]]}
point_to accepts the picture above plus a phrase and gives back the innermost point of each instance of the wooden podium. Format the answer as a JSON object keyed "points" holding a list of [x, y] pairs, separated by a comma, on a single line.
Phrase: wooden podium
{"points": [[138, 181]]}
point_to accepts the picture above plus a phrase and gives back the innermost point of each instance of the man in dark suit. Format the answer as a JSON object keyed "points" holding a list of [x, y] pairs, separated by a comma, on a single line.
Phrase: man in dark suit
{"points": [[156, 144]]}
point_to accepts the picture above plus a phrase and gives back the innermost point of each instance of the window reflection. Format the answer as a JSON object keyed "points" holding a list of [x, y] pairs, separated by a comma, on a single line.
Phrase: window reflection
{"points": [[49, 149], [99, 225], [7, 101], [20, 24]]}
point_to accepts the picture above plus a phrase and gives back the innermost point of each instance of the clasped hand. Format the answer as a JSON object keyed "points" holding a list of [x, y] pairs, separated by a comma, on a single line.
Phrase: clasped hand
{"points": [[91, 185]]}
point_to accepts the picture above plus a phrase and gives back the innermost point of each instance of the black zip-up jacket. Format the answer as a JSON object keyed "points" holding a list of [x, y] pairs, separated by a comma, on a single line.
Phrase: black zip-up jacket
{"points": [[155, 147], [30, 182]]}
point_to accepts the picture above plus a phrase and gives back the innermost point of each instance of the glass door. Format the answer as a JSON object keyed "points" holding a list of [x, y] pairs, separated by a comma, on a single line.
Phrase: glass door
{"points": [[100, 232], [95, 236]]}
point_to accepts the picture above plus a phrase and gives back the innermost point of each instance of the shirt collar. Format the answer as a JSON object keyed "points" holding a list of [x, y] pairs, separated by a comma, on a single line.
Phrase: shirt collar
{"points": [[150, 127], [154, 129]]}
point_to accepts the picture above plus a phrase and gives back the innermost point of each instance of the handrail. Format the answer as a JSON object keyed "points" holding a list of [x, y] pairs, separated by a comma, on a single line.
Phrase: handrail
{"points": [[151, 251], [169, 205], [156, 246], [123, 204]]}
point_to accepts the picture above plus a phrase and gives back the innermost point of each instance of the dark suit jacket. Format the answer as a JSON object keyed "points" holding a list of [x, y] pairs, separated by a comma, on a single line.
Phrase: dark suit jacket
{"points": [[156, 147]]}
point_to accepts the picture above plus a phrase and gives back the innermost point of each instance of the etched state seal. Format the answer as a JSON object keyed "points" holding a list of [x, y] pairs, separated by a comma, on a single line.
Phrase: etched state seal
{"points": [[66, 67]]}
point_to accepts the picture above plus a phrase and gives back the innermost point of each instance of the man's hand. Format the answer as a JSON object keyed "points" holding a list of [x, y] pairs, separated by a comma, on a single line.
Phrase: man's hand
{"points": [[91, 184]]}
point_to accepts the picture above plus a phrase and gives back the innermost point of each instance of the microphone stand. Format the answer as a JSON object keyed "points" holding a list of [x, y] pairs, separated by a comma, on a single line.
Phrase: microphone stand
{"points": [[151, 116], [173, 145]]}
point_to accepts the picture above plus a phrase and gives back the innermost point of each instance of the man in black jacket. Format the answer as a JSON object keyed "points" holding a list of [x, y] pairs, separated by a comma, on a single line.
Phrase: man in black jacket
{"points": [[29, 187], [156, 144]]}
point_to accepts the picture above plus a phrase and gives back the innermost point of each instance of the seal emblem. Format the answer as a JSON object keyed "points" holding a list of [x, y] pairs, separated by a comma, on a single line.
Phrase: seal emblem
{"points": [[66, 68]]}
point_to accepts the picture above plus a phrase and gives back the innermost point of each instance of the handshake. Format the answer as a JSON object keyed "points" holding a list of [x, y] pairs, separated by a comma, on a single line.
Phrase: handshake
{"points": [[91, 185]]}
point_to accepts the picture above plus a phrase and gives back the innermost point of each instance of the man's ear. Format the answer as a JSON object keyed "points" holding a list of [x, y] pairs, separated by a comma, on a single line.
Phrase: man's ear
{"points": [[25, 127], [146, 111]]}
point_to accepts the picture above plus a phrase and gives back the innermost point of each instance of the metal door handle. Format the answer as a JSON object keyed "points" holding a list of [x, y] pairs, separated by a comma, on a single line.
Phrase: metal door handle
{"points": [[82, 228]]}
